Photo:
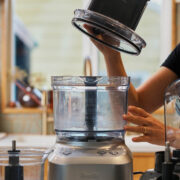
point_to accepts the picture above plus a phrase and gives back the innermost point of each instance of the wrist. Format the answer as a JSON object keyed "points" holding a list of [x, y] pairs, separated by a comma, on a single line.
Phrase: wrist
{"points": [[114, 64], [112, 56]]}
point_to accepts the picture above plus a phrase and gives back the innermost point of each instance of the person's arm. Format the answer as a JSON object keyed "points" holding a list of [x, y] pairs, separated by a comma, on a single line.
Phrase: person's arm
{"points": [[150, 95], [115, 67]]}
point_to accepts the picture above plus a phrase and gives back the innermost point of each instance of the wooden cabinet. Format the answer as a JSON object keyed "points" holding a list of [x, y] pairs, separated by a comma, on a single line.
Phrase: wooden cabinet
{"points": [[142, 162]]}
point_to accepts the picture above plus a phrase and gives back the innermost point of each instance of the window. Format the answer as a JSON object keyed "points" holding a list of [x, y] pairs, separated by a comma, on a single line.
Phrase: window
{"points": [[39, 42], [57, 44]]}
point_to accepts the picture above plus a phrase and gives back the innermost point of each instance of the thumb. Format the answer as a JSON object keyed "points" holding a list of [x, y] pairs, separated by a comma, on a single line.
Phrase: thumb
{"points": [[140, 139]]}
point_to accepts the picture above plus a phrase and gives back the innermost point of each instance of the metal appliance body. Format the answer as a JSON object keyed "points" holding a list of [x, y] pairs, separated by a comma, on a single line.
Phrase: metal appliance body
{"points": [[108, 160], [90, 129]]}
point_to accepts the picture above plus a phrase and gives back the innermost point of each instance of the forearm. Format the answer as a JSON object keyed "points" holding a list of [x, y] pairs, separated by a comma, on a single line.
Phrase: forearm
{"points": [[151, 93], [115, 67]]}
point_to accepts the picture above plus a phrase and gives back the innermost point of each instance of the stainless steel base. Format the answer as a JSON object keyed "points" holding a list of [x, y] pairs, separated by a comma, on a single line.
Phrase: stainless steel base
{"points": [[109, 160], [90, 172]]}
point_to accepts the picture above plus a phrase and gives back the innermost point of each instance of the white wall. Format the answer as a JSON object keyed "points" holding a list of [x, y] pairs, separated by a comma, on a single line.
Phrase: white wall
{"points": [[166, 29]]}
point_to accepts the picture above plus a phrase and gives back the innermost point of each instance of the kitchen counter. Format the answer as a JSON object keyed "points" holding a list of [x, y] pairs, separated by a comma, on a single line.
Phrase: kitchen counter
{"points": [[49, 141], [142, 146], [28, 140], [143, 153]]}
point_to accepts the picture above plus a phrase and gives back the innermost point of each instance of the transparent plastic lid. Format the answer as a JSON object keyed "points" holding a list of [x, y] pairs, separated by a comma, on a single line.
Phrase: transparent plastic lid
{"points": [[108, 31], [89, 81]]}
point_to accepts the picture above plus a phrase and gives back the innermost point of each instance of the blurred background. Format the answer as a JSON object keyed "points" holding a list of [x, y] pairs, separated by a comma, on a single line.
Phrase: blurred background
{"points": [[38, 41]]}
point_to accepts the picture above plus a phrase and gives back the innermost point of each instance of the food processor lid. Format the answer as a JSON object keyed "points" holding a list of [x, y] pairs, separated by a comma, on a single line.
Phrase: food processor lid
{"points": [[120, 82], [108, 31]]}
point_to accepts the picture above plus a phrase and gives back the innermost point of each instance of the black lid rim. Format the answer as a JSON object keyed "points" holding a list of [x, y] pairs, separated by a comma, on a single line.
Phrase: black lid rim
{"points": [[138, 50], [108, 24], [110, 21]]}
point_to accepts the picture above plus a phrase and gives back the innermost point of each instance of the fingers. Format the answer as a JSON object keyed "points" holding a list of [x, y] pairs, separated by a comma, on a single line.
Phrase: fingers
{"points": [[140, 117], [90, 31], [141, 139], [138, 129], [135, 119], [138, 111], [88, 28], [152, 130], [137, 116], [151, 138], [145, 130]]}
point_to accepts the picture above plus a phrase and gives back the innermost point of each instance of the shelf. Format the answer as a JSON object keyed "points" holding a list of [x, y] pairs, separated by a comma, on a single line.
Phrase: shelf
{"points": [[25, 111], [22, 110]]}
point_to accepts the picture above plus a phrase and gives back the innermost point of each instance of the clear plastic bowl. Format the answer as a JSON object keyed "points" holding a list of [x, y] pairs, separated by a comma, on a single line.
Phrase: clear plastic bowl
{"points": [[89, 104]]}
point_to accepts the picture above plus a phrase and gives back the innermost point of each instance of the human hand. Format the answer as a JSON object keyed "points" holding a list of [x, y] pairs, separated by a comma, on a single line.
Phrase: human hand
{"points": [[153, 130], [173, 136], [107, 51]]}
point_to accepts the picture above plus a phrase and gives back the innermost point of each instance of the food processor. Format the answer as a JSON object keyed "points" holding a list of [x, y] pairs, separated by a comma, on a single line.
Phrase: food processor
{"points": [[167, 164], [112, 23], [90, 129]]}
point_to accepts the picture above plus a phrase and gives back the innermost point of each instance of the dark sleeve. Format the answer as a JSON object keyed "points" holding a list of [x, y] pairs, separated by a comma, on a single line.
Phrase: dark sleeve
{"points": [[173, 61]]}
